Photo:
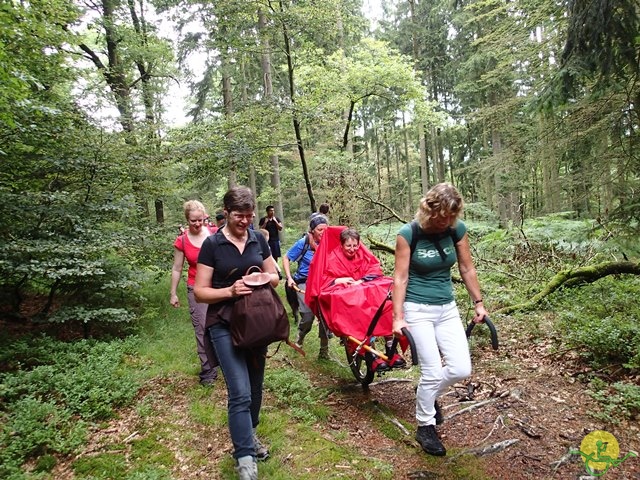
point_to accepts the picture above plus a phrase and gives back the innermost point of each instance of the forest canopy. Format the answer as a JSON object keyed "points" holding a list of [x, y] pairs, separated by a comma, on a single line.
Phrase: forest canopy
{"points": [[528, 107]]}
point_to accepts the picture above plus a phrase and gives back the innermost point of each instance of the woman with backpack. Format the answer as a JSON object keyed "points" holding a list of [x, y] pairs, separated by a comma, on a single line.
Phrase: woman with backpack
{"points": [[423, 302]]}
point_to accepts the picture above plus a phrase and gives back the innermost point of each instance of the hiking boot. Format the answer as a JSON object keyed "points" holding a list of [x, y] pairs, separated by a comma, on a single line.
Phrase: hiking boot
{"points": [[439, 417], [429, 441], [262, 452], [247, 468], [395, 359], [323, 353]]}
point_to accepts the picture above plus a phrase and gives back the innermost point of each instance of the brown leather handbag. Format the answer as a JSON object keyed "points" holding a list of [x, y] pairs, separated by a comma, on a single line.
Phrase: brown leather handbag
{"points": [[259, 319]]}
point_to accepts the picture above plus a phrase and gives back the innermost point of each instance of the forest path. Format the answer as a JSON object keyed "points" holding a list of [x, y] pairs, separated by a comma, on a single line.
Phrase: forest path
{"points": [[522, 393]]}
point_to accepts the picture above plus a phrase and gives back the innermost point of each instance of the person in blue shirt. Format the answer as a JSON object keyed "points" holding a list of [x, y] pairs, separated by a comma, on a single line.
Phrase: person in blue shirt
{"points": [[302, 252]]}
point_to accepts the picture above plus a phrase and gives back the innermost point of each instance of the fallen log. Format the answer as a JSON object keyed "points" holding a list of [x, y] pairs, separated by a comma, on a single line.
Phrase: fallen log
{"points": [[492, 448], [568, 278], [574, 277], [486, 449]]}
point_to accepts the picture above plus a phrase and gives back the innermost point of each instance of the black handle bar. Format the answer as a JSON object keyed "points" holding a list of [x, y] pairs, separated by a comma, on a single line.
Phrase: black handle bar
{"points": [[412, 345], [492, 329]]}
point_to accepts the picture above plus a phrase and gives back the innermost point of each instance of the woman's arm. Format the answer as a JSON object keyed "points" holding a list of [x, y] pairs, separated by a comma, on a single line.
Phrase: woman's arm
{"points": [[269, 265], [470, 277], [176, 273], [347, 280], [286, 266], [205, 293], [400, 281]]}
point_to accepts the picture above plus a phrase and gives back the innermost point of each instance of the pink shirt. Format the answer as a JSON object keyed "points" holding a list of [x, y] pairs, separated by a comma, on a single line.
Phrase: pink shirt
{"points": [[191, 253]]}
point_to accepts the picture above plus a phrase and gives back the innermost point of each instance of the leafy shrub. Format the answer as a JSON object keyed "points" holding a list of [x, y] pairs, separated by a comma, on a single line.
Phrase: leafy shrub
{"points": [[480, 212], [294, 389], [51, 391], [620, 399], [34, 427], [600, 320], [98, 315], [85, 376]]}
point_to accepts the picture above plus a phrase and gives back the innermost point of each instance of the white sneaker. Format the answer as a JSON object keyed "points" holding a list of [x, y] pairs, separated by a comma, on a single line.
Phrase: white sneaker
{"points": [[247, 468]]}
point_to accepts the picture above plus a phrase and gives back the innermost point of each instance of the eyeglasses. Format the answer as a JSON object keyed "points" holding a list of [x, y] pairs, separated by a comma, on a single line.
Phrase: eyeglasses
{"points": [[238, 216]]}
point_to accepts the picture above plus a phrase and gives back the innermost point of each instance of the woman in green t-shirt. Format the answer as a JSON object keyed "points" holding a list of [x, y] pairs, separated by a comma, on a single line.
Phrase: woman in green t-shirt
{"points": [[423, 301]]}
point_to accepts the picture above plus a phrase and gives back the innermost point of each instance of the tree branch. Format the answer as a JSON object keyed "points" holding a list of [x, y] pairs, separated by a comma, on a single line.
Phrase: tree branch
{"points": [[393, 213]]}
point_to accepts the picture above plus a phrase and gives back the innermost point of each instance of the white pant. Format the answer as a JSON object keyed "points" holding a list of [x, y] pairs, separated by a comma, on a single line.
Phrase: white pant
{"points": [[437, 331]]}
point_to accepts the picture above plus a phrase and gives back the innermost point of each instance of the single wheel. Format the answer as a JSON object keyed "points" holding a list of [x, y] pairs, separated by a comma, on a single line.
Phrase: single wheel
{"points": [[360, 366]]}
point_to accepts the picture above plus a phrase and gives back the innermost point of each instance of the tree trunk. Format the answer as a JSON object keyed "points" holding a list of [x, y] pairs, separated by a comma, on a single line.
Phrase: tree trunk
{"points": [[296, 122], [409, 205], [265, 62], [424, 165]]}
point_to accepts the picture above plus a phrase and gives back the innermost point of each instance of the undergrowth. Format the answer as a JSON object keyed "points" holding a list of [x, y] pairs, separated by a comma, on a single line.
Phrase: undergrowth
{"points": [[53, 391]]}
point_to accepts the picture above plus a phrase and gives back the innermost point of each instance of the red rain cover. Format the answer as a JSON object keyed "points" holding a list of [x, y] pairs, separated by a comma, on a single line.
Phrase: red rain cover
{"points": [[348, 310]]}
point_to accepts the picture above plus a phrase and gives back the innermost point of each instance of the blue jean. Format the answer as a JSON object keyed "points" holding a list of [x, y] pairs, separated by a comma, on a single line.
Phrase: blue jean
{"points": [[243, 371]]}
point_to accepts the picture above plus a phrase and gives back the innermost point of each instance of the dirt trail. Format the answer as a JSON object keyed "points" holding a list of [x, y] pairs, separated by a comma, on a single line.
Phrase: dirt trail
{"points": [[531, 398]]}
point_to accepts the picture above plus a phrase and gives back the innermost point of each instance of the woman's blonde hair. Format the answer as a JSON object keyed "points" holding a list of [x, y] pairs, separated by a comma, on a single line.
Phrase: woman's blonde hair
{"points": [[442, 199], [193, 206]]}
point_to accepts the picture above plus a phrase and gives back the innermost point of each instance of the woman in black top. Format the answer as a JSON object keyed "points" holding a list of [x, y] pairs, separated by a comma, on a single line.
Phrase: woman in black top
{"points": [[224, 259]]}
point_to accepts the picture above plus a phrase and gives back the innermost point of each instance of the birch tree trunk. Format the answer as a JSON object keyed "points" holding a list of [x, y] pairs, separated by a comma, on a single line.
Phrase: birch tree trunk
{"points": [[227, 98]]}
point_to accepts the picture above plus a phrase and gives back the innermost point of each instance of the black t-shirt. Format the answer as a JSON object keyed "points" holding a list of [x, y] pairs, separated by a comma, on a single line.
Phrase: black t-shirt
{"points": [[229, 266], [270, 226], [224, 257]]}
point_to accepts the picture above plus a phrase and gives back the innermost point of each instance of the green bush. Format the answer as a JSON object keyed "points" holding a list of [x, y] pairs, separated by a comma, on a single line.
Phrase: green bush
{"points": [[33, 427], [600, 320], [50, 391], [294, 389], [619, 400]]}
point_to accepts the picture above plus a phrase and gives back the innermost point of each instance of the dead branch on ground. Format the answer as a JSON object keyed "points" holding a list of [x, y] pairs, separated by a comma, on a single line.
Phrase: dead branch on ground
{"points": [[472, 407]]}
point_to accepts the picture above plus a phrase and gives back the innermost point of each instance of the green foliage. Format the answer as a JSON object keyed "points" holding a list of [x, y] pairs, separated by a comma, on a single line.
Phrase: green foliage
{"points": [[599, 320], [102, 467], [618, 400], [480, 212], [34, 427], [84, 315], [51, 389], [294, 389]]}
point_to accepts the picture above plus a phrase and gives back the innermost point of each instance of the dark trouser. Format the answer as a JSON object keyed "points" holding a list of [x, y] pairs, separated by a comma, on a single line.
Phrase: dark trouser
{"points": [[274, 246], [243, 371], [208, 359], [306, 320]]}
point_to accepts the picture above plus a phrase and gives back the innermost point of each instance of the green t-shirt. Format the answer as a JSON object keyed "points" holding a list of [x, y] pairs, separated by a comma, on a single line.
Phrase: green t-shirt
{"points": [[430, 276]]}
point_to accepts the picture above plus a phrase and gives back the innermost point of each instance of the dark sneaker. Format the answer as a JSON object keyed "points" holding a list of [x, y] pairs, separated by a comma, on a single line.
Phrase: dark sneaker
{"points": [[429, 441], [396, 361], [262, 452], [379, 365], [439, 417]]}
